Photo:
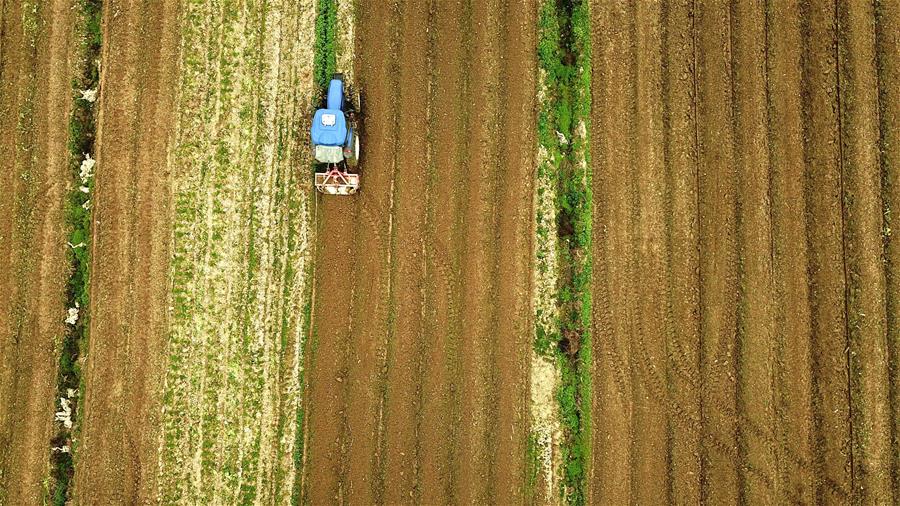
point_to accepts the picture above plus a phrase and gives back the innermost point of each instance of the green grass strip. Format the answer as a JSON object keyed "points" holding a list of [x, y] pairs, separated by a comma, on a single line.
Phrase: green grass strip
{"points": [[325, 59], [564, 56], [300, 419], [82, 131]]}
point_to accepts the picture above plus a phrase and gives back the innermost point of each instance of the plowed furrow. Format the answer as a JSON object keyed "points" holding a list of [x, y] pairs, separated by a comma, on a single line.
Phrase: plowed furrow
{"points": [[440, 397], [793, 338], [720, 480], [863, 250], [473, 447], [682, 284], [756, 323], [408, 268], [824, 243], [328, 343], [515, 159], [613, 410], [888, 48], [118, 459]]}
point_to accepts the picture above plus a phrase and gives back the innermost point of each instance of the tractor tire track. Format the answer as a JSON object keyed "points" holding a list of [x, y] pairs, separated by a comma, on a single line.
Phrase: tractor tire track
{"points": [[612, 411], [650, 480], [14, 65], [118, 452], [790, 257], [378, 47], [756, 320], [440, 392], [35, 114], [683, 261], [888, 63], [863, 250], [721, 479]]}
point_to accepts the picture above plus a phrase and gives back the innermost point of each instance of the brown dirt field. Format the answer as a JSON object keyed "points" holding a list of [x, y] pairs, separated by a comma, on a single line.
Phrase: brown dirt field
{"points": [[720, 479], [118, 449], [513, 176], [471, 485], [36, 66], [609, 476], [410, 196], [408, 416], [790, 268], [481, 386]]}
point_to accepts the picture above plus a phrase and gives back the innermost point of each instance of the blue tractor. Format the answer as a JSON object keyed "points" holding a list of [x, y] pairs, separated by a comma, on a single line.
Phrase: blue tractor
{"points": [[335, 141]]}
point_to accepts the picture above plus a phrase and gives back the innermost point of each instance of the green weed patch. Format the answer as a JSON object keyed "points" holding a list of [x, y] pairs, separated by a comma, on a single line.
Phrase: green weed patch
{"points": [[325, 61], [82, 132], [564, 58]]}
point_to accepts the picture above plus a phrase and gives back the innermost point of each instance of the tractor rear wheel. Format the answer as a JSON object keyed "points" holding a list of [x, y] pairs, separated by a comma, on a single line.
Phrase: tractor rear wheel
{"points": [[353, 159]]}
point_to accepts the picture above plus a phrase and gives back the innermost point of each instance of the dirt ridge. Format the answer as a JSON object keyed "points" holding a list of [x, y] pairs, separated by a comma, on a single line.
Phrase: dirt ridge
{"points": [[888, 44], [863, 214], [35, 111], [408, 269], [118, 460], [793, 335], [609, 476]]}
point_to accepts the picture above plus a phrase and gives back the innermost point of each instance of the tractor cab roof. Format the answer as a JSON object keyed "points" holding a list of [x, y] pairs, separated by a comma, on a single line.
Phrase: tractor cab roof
{"points": [[329, 128]]}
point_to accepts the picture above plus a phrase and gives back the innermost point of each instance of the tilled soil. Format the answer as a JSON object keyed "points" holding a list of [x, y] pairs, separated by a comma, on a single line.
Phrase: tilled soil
{"points": [[744, 180], [36, 66], [417, 375], [118, 451]]}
